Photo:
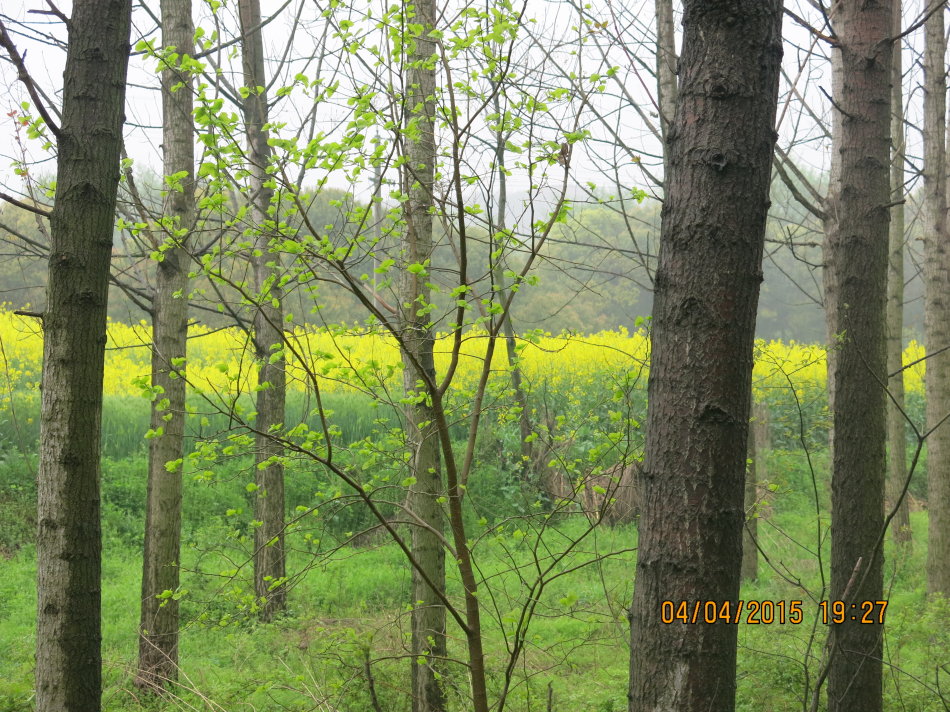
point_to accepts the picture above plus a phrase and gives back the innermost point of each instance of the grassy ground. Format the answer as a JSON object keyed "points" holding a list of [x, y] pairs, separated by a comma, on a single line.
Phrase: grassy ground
{"points": [[350, 603]]}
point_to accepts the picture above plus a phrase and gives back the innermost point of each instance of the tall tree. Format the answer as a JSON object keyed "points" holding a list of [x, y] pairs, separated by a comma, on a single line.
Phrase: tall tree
{"points": [[68, 545], [158, 628], [937, 303], [269, 557], [707, 286], [428, 644], [857, 260], [896, 436]]}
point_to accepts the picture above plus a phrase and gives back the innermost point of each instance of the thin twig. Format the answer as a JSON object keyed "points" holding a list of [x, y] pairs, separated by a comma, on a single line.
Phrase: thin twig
{"points": [[24, 76]]}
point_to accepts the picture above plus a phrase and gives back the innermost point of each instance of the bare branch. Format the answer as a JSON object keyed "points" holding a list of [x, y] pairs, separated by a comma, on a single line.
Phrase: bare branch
{"points": [[45, 212], [24, 76], [831, 40]]}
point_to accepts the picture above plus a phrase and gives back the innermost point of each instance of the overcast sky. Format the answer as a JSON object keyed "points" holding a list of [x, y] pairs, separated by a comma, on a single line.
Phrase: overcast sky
{"points": [[554, 21]]}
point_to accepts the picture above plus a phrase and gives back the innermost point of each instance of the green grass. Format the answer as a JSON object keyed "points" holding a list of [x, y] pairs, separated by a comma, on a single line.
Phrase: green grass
{"points": [[125, 420], [350, 600]]}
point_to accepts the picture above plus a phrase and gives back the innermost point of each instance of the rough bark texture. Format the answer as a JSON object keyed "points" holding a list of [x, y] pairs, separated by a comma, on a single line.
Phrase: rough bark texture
{"points": [[858, 260], [428, 645], [756, 472], [936, 304], [269, 557], [68, 634], [896, 427], [158, 629], [707, 286]]}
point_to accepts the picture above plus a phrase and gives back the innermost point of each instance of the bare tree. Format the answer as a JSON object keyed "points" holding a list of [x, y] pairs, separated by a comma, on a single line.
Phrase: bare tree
{"points": [[707, 285]]}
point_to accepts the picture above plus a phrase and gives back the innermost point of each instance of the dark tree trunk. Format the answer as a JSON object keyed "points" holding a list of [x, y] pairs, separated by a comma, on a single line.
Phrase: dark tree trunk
{"points": [[69, 548], [707, 287], [158, 629], [858, 262], [428, 613], [269, 557]]}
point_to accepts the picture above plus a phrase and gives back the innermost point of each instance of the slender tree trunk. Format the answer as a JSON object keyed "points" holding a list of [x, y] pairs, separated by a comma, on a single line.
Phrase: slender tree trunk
{"points": [[858, 260], [158, 628], [896, 436], [756, 473], [498, 278], [707, 286], [269, 557], [428, 614], [750, 554], [937, 303], [828, 275], [68, 547], [666, 68]]}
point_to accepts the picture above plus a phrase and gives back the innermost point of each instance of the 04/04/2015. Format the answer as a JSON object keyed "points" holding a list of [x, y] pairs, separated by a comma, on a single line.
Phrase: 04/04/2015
{"points": [[769, 612]]}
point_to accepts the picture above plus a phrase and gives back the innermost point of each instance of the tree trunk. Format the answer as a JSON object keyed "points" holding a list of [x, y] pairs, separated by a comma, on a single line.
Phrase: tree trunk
{"points": [[666, 67], [428, 645], [269, 557], [936, 304], [829, 225], [158, 629], [707, 286], [896, 435], [858, 261], [499, 267], [756, 473], [68, 547]]}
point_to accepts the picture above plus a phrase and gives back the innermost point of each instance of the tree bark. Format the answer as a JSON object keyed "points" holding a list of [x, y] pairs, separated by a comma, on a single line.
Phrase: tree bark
{"points": [[69, 547], [428, 644], [158, 628], [707, 285], [269, 558], [896, 435], [858, 260], [936, 304]]}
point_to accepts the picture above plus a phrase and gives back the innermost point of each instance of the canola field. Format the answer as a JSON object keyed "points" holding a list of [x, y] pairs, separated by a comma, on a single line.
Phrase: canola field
{"points": [[222, 360]]}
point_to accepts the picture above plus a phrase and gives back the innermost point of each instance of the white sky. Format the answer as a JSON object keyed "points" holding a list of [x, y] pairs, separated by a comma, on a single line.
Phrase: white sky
{"points": [[555, 20]]}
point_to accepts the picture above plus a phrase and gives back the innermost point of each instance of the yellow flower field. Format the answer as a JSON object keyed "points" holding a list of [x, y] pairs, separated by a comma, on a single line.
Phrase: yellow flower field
{"points": [[222, 360]]}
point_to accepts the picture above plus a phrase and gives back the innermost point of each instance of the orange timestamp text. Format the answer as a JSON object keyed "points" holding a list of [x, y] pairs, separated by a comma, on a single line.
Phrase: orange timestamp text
{"points": [[769, 612], [751, 612]]}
